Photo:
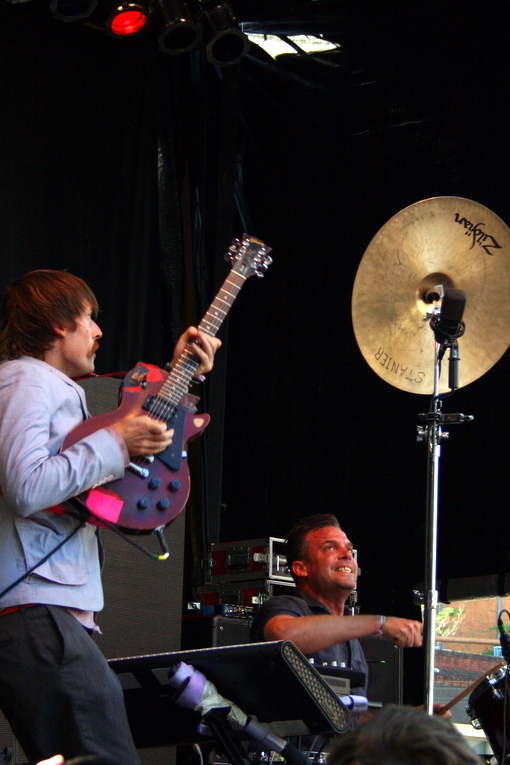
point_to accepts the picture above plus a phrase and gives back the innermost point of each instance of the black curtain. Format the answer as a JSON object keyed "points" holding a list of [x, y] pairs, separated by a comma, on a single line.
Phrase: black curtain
{"points": [[123, 165]]}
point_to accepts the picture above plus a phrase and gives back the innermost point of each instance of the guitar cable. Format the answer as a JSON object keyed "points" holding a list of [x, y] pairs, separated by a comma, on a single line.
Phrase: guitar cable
{"points": [[43, 560], [126, 538], [84, 513], [80, 515]]}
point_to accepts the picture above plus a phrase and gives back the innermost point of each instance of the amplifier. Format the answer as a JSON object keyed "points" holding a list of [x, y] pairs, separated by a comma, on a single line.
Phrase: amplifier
{"points": [[212, 631], [251, 559], [248, 594]]}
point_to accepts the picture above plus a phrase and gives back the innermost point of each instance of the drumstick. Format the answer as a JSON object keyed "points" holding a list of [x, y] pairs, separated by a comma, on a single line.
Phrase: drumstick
{"points": [[471, 687]]}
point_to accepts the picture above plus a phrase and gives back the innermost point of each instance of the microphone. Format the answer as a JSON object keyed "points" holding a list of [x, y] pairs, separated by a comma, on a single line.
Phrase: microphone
{"points": [[194, 691], [504, 637], [357, 704], [448, 324]]}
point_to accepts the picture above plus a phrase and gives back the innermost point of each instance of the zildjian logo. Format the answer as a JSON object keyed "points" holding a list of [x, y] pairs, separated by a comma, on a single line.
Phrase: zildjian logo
{"points": [[486, 241]]}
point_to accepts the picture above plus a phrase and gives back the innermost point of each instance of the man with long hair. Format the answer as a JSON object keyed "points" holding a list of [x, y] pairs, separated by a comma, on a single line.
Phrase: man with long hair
{"points": [[56, 688]]}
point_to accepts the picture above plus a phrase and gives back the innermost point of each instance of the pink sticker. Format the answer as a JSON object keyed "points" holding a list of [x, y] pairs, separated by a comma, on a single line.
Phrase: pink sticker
{"points": [[105, 504]]}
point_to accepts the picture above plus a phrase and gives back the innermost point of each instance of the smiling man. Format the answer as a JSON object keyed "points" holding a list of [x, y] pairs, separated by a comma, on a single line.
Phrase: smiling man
{"points": [[56, 688], [323, 566]]}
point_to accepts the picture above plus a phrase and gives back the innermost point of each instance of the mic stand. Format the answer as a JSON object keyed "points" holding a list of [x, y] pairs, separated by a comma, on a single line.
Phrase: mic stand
{"points": [[228, 745], [432, 433]]}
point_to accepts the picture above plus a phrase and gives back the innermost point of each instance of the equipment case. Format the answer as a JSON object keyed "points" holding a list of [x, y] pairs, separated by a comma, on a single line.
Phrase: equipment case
{"points": [[246, 560]]}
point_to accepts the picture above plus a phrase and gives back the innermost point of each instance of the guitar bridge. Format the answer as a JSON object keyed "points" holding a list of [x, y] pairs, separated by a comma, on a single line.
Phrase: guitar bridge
{"points": [[134, 468]]}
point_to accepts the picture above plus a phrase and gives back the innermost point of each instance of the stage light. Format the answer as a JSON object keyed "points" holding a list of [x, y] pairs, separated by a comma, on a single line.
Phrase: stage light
{"points": [[72, 10], [178, 31], [128, 19], [226, 44]]}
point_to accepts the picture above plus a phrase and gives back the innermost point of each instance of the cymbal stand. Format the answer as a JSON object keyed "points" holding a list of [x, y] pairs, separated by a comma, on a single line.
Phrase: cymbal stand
{"points": [[432, 433]]}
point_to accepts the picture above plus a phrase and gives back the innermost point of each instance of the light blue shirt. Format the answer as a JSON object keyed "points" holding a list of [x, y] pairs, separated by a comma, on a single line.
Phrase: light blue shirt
{"points": [[38, 407]]}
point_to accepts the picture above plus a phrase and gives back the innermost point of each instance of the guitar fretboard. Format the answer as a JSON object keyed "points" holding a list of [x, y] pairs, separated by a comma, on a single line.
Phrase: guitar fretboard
{"points": [[177, 382]]}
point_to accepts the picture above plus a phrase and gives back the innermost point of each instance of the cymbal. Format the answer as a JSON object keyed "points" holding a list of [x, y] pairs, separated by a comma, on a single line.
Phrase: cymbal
{"points": [[447, 241]]}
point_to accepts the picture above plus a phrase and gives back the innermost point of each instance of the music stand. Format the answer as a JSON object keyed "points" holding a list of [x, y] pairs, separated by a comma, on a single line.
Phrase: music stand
{"points": [[272, 681]]}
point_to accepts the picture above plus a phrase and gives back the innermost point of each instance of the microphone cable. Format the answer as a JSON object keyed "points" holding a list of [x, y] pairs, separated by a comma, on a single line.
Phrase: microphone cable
{"points": [[504, 639]]}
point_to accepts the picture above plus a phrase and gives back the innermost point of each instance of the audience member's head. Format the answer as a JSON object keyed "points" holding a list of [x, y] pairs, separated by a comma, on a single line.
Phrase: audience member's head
{"points": [[403, 736]]}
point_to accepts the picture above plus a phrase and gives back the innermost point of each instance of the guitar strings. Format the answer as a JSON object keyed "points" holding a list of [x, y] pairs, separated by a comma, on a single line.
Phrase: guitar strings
{"points": [[165, 404]]}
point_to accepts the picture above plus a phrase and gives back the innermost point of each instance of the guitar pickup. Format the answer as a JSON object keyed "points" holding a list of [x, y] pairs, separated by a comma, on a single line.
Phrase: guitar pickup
{"points": [[153, 406]]}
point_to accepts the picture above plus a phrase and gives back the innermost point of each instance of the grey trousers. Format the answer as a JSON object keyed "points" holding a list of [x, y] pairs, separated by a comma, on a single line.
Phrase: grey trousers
{"points": [[57, 691]]}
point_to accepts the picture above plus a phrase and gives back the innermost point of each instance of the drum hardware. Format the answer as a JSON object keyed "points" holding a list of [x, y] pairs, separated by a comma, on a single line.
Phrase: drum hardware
{"points": [[489, 710], [411, 273], [493, 675]]}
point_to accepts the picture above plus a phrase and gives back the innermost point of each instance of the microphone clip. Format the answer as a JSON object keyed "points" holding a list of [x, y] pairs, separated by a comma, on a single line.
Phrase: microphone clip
{"points": [[446, 336]]}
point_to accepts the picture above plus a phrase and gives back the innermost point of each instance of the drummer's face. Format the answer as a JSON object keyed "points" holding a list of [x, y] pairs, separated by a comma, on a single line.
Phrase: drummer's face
{"points": [[330, 564]]}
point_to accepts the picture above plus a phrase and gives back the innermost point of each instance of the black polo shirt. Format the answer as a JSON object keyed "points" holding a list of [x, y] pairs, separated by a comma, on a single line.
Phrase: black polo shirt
{"points": [[349, 654]]}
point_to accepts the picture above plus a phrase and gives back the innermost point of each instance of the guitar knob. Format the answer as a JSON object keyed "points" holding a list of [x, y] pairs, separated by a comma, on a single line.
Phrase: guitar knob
{"points": [[163, 504], [154, 483], [175, 485], [142, 503]]}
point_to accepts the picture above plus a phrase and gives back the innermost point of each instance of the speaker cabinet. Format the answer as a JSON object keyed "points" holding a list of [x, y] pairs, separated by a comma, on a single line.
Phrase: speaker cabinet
{"points": [[385, 661]]}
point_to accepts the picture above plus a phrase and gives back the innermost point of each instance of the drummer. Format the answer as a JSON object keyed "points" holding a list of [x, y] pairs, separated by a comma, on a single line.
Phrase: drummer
{"points": [[320, 558]]}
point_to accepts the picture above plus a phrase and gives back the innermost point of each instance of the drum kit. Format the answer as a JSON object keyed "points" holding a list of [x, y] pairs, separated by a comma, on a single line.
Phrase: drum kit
{"points": [[433, 274]]}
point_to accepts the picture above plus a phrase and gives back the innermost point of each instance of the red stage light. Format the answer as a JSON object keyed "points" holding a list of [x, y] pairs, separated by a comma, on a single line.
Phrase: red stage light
{"points": [[127, 20]]}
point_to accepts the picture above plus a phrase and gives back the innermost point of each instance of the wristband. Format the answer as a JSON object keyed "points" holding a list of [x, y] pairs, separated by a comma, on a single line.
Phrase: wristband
{"points": [[382, 622]]}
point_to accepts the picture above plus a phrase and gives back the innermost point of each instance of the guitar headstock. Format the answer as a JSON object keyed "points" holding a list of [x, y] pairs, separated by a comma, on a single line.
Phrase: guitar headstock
{"points": [[249, 256]]}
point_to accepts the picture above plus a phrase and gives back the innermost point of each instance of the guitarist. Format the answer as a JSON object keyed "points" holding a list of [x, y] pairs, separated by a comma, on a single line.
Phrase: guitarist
{"points": [[56, 688]]}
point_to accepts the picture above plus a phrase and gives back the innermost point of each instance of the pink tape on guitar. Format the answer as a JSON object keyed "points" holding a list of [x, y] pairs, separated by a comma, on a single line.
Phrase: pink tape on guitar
{"points": [[105, 504]]}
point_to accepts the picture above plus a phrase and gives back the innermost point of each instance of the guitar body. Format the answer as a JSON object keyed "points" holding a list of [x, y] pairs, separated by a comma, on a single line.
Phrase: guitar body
{"points": [[155, 493]]}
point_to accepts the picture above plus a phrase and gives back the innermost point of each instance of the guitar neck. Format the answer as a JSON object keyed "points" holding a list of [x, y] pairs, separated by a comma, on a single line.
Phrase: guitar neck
{"points": [[177, 382]]}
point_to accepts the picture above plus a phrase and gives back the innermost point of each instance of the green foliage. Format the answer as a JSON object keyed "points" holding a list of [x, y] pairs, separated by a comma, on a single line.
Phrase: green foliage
{"points": [[448, 620]]}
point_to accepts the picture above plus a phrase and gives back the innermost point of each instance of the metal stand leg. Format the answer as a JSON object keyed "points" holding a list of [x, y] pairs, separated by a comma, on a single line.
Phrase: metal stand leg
{"points": [[433, 434]]}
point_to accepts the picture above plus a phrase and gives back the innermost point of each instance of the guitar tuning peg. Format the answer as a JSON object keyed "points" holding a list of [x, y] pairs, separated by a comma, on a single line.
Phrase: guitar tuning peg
{"points": [[233, 251]]}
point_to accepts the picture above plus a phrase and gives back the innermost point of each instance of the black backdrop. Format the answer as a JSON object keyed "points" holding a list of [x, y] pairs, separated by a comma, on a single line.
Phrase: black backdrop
{"points": [[133, 169]]}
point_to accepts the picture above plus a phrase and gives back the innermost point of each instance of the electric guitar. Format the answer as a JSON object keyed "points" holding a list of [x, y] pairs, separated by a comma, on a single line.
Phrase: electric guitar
{"points": [[154, 490]]}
